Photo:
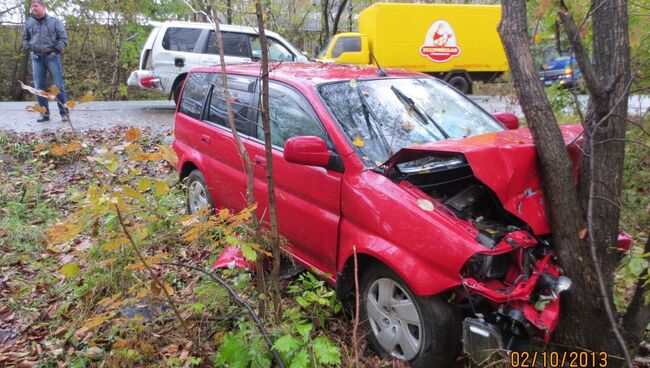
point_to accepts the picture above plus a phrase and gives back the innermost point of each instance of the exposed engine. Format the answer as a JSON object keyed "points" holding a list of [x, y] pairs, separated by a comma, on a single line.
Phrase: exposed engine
{"points": [[509, 293]]}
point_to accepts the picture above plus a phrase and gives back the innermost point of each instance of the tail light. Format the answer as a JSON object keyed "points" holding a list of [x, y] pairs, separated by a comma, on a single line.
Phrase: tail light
{"points": [[151, 82]]}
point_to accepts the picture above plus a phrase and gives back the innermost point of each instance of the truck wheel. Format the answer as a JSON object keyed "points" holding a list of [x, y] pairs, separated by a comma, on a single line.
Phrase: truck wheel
{"points": [[423, 331], [461, 83], [198, 195], [176, 93]]}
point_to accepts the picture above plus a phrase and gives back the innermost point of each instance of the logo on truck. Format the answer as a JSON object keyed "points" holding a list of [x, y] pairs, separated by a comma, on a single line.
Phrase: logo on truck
{"points": [[440, 42]]}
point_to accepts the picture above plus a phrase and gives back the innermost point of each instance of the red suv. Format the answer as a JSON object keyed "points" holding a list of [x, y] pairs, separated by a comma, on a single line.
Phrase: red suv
{"points": [[442, 202]]}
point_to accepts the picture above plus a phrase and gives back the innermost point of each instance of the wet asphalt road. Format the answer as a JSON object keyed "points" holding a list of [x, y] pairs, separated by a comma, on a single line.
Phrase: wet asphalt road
{"points": [[159, 115]]}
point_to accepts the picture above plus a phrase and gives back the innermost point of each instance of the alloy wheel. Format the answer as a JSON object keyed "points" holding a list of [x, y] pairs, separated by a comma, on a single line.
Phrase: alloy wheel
{"points": [[394, 319]]}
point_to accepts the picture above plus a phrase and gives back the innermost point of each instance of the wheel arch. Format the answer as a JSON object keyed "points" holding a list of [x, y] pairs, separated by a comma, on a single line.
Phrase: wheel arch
{"points": [[426, 281], [178, 82], [186, 169]]}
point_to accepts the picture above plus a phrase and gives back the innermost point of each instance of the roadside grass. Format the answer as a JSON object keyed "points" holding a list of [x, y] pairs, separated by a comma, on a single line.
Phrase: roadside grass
{"points": [[83, 299], [86, 302]]}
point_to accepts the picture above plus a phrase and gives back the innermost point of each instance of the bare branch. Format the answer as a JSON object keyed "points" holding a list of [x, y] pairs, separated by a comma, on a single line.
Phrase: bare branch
{"points": [[159, 283], [593, 83], [622, 140], [241, 302]]}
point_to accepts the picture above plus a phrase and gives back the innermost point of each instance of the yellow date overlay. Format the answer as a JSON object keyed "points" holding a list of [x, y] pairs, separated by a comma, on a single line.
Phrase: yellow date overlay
{"points": [[554, 359]]}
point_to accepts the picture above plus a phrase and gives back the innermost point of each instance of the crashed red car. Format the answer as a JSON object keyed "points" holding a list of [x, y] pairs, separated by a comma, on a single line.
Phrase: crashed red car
{"points": [[441, 201]]}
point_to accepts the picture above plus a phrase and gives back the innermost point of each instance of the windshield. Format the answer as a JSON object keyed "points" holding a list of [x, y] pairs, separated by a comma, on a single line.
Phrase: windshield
{"points": [[381, 116], [323, 52]]}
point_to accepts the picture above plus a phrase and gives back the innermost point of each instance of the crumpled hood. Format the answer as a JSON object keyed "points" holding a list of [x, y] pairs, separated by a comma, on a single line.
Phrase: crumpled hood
{"points": [[506, 162]]}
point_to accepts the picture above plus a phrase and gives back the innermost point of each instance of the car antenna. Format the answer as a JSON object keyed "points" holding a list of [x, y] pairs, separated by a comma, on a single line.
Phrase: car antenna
{"points": [[380, 70]]}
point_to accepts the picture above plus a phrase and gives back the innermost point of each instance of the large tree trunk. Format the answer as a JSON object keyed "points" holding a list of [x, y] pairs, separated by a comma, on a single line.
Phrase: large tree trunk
{"points": [[337, 17], [583, 323], [325, 23], [601, 172], [606, 123]]}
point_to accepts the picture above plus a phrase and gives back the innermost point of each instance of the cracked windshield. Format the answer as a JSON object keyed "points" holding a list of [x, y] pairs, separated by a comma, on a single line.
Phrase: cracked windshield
{"points": [[382, 116]]}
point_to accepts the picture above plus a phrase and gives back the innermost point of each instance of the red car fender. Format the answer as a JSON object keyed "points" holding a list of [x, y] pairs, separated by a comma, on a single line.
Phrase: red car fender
{"points": [[187, 154], [420, 276], [427, 247]]}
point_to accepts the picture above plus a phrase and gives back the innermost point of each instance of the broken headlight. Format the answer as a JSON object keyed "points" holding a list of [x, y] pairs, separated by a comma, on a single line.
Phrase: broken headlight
{"points": [[483, 266]]}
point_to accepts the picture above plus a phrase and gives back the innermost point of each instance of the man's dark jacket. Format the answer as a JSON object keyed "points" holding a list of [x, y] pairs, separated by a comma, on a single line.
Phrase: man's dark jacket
{"points": [[45, 35]]}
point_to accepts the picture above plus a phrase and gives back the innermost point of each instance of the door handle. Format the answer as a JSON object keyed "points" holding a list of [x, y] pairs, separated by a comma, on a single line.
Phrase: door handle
{"points": [[260, 161], [205, 138]]}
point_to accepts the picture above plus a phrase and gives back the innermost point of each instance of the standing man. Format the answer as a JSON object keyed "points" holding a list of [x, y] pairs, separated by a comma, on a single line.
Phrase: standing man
{"points": [[44, 36]]}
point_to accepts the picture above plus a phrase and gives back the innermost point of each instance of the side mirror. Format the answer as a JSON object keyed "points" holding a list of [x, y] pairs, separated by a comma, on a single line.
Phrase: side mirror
{"points": [[509, 120], [307, 150]]}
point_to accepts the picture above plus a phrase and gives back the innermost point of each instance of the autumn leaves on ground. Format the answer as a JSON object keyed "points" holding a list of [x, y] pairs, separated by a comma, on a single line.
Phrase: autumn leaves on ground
{"points": [[81, 212]]}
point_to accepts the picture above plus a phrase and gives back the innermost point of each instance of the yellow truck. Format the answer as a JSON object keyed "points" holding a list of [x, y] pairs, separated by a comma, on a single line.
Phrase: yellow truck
{"points": [[456, 43]]}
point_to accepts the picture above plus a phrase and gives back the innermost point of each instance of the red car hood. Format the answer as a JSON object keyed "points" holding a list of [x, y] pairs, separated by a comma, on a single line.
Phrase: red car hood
{"points": [[507, 163]]}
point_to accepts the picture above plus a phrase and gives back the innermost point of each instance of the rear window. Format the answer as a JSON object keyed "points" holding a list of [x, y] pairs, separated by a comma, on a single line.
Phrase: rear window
{"points": [[242, 95], [234, 44], [196, 87], [181, 39]]}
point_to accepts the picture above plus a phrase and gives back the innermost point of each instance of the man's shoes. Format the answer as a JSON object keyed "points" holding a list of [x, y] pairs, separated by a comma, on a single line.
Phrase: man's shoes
{"points": [[43, 119], [65, 119]]}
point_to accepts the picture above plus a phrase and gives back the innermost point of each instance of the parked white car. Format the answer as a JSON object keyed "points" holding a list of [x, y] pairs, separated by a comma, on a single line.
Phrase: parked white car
{"points": [[174, 48]]}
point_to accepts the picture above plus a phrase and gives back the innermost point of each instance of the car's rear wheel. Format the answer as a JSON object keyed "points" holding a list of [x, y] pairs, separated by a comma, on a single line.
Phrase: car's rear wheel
{"points": [[198, 195], [423, 331]]}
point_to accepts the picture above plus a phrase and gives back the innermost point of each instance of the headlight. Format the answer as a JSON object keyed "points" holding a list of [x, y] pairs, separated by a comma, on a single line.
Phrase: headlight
{"points": [[482, 266]]}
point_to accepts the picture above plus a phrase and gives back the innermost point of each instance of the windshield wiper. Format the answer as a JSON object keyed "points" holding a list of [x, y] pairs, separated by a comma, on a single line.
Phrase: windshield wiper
{"points": [[423, 115], [367, 112]]}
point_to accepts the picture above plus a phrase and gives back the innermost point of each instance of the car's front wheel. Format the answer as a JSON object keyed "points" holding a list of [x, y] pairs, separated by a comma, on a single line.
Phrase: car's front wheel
{"points": [[198, 196], [423, 331]]}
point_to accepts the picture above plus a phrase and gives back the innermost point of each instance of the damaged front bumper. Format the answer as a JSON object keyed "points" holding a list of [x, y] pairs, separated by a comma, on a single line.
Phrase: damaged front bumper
{"points": [[524, 300]]}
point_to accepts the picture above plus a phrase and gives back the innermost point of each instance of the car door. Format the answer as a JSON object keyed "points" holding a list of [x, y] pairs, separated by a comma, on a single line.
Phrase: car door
{"points": [[227, 169], [308, 197], [177, 52], [236, 48]]}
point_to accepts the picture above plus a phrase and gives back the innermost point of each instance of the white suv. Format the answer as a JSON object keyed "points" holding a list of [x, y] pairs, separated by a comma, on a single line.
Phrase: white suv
{"points": [[173, 48]]}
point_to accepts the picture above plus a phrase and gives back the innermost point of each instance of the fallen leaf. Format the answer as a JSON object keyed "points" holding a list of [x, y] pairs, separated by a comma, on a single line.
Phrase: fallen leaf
{"points": [[88, 97], [54, 90], [425, 204], [132, 134], [115, 244], [36, 108], [70, 270], [358, 141], [93, 322], [582, 234], [168, 154]]}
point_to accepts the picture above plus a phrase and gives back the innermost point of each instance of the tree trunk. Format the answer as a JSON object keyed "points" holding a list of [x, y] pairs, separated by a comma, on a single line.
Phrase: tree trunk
{"points": [[583, 323], [268, 148], [229, 11], [337, 17], [325, 24], [23, 72], [247, 163]]}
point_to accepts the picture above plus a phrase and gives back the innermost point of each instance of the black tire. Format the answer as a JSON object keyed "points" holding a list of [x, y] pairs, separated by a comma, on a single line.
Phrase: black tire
{"points": [[195, 184], [461, 83], [438, 338], [176, 93]]}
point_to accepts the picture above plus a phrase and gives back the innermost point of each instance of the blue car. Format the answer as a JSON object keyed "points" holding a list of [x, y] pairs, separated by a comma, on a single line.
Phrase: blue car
{"points": [[562, 70]]}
